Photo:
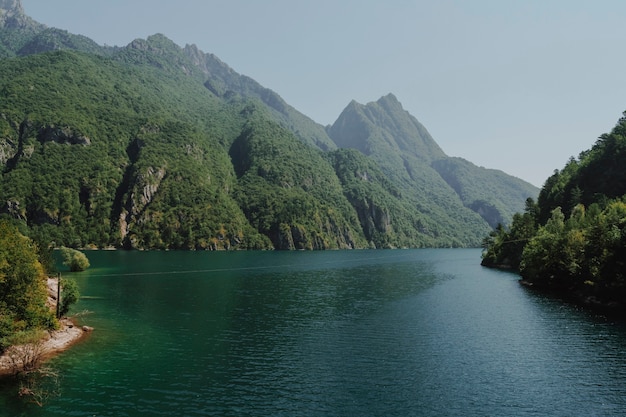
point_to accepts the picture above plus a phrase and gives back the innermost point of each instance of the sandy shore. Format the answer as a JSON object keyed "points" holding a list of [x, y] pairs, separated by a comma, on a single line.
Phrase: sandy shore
{"points": [[54, 341]]}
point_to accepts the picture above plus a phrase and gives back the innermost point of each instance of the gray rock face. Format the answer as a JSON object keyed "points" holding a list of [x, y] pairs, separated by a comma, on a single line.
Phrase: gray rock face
{"points": [[14, 6], [12, 15]]}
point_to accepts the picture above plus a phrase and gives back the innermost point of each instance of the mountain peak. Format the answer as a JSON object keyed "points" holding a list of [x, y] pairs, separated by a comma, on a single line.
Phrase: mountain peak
{"points": [[383, 124], [12, 6], [390, 98], [12, 15]]}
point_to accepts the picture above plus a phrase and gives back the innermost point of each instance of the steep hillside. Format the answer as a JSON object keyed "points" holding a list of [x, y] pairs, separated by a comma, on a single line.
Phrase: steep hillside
{"points": [[290, 192], [156, 146], [406, 152], [388, 218], [598, 174], [20, 36], [493, 194], [223, 81], [384, 128], [96, 153]]}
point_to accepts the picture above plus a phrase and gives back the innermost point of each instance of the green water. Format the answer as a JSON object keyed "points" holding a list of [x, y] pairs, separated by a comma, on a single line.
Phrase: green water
{"points": [[368, 333]]}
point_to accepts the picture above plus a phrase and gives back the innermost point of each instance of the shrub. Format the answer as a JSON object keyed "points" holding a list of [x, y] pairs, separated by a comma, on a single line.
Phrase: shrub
{"points": [[76, 260]]}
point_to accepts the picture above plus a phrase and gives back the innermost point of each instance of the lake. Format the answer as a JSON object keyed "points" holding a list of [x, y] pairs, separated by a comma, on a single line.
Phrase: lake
{"points": [[425, 332]]}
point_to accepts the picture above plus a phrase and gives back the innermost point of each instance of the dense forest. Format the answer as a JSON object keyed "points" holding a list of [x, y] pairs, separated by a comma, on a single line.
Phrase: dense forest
{"points": [[154, 146], [572, 240]]}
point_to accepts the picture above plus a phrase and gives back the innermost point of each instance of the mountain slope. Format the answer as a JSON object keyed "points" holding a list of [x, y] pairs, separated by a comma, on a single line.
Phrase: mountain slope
{"points": [[224, 81], [98, 153], [299, 202], [20, 35], [388, 218], [391, 138], [134, 157], [383, 127], [157, 146], [493, 194], [406, 153]]}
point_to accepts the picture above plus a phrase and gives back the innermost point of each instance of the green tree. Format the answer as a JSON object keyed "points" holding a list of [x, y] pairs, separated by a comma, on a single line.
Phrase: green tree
{"points": [[69, 295], [75, 260], [538, 261], [504, 247], [23, 291]]}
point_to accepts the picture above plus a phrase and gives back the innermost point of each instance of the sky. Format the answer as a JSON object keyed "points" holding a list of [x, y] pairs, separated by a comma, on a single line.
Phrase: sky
{"points": [[515, 85]]}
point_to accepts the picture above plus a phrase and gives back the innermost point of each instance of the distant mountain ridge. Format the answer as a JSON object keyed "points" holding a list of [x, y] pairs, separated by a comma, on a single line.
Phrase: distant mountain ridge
{"points": [[156, 146]]}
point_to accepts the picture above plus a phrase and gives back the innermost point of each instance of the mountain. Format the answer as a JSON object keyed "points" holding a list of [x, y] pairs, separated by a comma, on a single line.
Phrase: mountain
{"points": [[223, 81], [21, 35], [154, 146], [12, 16], [408, 155]]}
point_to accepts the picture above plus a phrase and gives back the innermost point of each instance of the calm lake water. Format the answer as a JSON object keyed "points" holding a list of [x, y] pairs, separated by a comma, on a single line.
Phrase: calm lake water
{"points": [[341, 333]]}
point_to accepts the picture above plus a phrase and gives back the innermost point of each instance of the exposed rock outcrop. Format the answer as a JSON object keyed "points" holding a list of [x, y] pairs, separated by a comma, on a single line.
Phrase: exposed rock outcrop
{"points": [[144, 186], [12, 16], [64, 135]]}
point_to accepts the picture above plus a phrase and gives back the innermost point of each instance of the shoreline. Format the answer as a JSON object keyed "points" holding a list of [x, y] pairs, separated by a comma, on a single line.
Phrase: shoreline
{"points": [[588, 301], [53, 343]]}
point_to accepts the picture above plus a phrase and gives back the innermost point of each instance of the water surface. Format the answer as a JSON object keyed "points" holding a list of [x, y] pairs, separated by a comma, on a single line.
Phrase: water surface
{"points": [[346, 333]]}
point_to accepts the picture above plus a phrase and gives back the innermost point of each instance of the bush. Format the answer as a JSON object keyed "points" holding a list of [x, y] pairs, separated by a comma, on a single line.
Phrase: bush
{"points": [[76, 260], [69, 295]]}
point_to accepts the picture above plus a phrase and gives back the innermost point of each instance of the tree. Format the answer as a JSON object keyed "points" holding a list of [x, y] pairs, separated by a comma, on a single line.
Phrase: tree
{"points": [[69, 295], [76, 260], [503, 247], [23, 293]]}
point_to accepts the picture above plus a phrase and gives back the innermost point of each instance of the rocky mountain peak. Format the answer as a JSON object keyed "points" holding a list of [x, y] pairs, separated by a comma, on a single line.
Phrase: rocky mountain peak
{"points": [[383, 126], [389, 98], [12, 15], [12, 5]]}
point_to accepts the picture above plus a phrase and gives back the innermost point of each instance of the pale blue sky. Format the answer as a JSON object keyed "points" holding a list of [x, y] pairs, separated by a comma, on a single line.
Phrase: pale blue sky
{"points": [[513, 85]]}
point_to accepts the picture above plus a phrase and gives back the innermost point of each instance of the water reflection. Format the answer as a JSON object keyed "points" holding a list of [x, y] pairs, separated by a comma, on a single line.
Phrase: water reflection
{"points": [[425, 332]]}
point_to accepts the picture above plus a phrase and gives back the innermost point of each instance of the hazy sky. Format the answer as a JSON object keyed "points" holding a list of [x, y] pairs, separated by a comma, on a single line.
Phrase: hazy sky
{"points": [[514, 85]]}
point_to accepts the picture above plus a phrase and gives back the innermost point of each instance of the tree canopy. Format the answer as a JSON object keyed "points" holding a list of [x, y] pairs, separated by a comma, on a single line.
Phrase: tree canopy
{"points": [[573, 240], [23, 291], [154, 146]]}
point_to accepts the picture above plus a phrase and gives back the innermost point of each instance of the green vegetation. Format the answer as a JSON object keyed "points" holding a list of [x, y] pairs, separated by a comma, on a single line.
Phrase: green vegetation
{"points": [[388, 219], [573, 240], [69, 296], [23, 295], [95, 183], [75, 260], [494, 195], [290, 193], [440, 201], [154, 146]]}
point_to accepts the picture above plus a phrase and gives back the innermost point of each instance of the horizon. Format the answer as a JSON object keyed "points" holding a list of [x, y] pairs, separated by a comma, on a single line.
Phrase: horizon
{"points": [[519, 88]]}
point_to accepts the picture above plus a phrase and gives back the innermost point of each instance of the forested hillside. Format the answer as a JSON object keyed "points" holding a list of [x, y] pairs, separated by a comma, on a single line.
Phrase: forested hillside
{"points": [[573, 239], [455, 193], [154, 146]]}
